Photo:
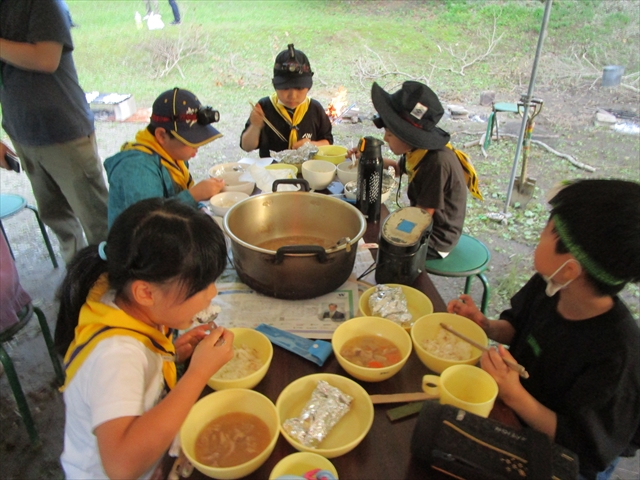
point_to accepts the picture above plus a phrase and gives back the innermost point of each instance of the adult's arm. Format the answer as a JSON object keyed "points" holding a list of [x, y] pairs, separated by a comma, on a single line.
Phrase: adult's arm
{"points": [[41, 57]]}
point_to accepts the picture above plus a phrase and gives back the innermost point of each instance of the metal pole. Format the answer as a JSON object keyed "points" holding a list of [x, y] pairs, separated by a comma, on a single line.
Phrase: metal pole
{"points": [[527, 102]]}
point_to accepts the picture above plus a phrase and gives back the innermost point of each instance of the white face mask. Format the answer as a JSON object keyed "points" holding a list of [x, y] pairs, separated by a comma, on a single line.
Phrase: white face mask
{"points": [[554, 287]]}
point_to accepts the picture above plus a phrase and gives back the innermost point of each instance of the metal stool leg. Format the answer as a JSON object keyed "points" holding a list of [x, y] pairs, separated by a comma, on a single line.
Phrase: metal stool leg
{"points": [[46, 333], [45, 236], [486, 290], [21, 400]]}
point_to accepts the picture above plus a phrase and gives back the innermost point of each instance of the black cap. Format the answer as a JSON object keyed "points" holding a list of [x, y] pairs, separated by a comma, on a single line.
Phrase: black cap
{"points": [[292, 70]]}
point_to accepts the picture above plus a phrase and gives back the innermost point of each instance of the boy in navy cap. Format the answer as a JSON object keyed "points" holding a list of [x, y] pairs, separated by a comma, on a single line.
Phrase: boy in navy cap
{"points": [[438, 174], [156, 163], [298, 118]]}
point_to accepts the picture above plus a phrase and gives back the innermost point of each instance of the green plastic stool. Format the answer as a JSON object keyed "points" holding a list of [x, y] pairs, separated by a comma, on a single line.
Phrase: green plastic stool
{"points": [[469, 258], [14, 382], [492, 121]]}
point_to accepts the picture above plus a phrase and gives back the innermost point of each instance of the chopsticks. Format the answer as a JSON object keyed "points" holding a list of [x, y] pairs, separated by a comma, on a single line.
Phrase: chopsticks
{"points": [[270, 125], [515, 366], [400, 397]]}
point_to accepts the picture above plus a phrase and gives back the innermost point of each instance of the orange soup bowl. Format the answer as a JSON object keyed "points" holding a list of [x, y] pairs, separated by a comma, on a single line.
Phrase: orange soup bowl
{"points": [[379, 327], [418, 303], [217, 404], [347, 433], [427, 328]]}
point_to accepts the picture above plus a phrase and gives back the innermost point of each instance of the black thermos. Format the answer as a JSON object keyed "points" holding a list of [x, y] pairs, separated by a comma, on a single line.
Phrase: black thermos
{"points": [[370, 166]]}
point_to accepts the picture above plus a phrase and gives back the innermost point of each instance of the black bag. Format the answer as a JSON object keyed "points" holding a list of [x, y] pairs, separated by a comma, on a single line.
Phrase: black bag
{"points": [[466, 446]]}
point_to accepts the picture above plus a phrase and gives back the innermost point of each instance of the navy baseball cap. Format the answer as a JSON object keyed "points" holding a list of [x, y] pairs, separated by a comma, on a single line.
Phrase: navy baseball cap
{"points": [[292, 70]]}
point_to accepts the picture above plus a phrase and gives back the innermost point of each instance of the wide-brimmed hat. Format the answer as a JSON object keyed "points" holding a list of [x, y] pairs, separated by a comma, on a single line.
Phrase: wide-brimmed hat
{"points": [[292, 70], [180, 112], [411, 114]]}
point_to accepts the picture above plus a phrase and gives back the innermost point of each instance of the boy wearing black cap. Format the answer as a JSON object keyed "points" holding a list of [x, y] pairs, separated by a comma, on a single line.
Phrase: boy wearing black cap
{"points": [[438, 175], [156, 163], [297, 118], [570, 330]]}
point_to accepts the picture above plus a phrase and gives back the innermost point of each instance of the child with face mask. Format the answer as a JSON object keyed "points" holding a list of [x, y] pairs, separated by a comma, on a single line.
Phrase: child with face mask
{"points": [[570, 330]]}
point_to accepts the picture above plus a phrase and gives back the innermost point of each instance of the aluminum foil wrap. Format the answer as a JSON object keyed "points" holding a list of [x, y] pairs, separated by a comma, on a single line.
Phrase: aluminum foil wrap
{"points": [[324, 409], [300, 155], [390, 303]]}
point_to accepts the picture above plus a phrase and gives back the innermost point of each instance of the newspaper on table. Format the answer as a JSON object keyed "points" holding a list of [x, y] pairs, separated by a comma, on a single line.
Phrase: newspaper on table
{"points": [[241, 306]]}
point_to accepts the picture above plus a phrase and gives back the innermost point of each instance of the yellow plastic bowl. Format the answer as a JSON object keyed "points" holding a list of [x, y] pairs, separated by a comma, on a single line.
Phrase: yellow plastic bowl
{"points": [[418, 303], [300, 463], [357, 327], [252, 339], [284, 166], [427, 327], [331, 153], [217, 404], [351, 428]]}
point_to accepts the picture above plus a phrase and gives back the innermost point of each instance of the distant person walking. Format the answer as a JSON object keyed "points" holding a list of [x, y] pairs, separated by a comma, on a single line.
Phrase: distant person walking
{"points": [[47, 117], [152, 8], [176, 12]]}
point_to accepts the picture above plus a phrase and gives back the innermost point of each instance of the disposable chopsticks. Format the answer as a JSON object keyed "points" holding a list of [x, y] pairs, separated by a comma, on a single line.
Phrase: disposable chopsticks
{"points": [[270, 125], [515, 366], [400, 397]]}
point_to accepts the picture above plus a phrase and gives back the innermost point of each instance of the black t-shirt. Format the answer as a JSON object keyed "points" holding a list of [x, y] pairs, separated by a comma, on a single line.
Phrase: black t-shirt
{"points": [[315, 125], [586, 371], [439, 184]]}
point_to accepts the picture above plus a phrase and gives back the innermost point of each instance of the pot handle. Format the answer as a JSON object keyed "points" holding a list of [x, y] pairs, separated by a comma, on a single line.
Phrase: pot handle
{"points": [[301, 182], [317, 250]]}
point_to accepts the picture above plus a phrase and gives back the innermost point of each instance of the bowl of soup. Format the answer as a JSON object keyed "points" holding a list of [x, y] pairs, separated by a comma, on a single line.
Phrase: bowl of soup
{"points": [[252, 354], [418, 304], [347, 433], [371, 349], [231, 433], [439, 349]]}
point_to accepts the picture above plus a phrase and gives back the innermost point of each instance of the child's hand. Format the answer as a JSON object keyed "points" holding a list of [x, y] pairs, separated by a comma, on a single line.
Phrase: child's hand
{"points": [[187, 342], [257, 116], [209, 356], [507, 379], [467, 308], [206, 189], [299, 143]]}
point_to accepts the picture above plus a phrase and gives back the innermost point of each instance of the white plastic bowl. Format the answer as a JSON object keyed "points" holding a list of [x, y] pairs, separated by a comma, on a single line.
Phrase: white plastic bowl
{"points": [[222, 202], [231, 173], [347, 174], [319, 173]]}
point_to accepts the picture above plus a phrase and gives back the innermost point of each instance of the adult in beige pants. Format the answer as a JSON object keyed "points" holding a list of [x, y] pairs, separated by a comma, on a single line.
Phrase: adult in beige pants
{"points": [[47, 118]]}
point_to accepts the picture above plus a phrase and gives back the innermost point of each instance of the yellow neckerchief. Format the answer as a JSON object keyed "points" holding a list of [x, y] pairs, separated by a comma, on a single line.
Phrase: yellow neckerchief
{"points": [[99, 321], [471, 177], [298, 115], [147, 143]]}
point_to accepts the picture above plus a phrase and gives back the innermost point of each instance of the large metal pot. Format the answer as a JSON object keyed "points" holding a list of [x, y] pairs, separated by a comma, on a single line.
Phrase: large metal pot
{"points": [[294, 245]]}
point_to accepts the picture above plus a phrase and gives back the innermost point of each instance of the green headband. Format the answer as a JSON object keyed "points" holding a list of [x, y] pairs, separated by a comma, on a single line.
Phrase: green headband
{"points": [[590, 265]]}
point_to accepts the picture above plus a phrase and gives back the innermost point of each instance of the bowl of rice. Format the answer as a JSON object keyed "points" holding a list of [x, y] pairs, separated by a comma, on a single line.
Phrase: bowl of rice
{"points": [[438, 348], [252, 354]]}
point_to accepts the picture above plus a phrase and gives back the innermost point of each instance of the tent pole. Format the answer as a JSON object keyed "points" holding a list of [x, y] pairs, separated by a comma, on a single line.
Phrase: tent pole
{"points": [[527, 102]]}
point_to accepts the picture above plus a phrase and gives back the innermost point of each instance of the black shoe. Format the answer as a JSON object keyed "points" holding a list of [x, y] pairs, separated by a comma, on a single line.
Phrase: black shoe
{"points": [[175, 22]]}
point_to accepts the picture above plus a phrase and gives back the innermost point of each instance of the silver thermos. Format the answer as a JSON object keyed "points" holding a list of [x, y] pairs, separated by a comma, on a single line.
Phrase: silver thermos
{"points": [[370, 165]]}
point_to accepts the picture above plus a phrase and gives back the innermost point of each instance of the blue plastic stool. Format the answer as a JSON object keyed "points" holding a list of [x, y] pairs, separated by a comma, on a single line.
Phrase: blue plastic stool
{"points": [[469, 258], [10, 205]]}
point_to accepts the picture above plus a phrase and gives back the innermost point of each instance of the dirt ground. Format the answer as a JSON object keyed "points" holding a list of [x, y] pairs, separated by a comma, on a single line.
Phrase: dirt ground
{"points": [[566, 124]]}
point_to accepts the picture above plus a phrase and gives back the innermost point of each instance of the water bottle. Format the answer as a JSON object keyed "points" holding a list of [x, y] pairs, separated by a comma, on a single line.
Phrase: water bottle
{"points": [[138, 20], [370, 165]]}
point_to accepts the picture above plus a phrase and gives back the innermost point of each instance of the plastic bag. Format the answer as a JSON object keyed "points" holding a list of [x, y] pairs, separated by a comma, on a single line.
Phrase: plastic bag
{"points": [[154, 22]]}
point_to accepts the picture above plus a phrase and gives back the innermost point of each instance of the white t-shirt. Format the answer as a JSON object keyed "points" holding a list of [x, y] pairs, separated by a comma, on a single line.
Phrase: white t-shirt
{"points": [[119, 378]]}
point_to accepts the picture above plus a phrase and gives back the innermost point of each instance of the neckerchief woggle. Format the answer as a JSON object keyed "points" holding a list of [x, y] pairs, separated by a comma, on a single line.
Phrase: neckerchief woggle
{"points": [[471, 177], [298, 115], [98, 321], [147, 143]]}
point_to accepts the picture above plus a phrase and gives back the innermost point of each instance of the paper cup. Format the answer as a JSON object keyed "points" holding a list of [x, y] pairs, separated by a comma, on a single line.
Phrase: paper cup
{"points": [[463, 386]]}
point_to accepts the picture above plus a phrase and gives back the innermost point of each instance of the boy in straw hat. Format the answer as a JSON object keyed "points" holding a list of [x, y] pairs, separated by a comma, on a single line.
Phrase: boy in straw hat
{"points": [[438, 174], [156, 164], [297, 118], [570, 330]]}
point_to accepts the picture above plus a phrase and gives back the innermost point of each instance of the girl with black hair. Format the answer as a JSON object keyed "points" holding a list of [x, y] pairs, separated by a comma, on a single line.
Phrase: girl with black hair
{"points": [[570, 330], [119, 305]]}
